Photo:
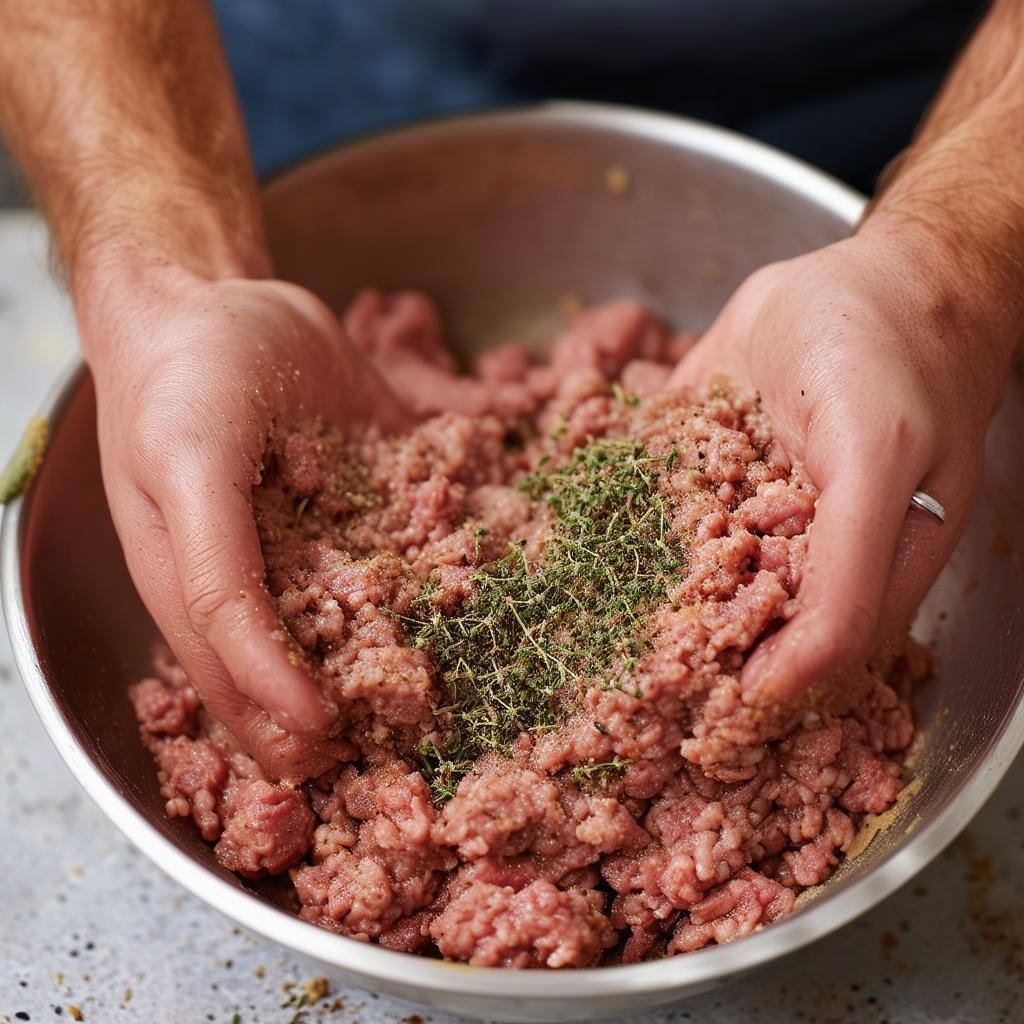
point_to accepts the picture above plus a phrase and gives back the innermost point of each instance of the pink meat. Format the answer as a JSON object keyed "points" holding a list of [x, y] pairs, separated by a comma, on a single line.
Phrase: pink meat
{"points": [[501, 811], [539, 926], [164, 710], [267, 828], [192, 777], [734, 909], [391, 870], [700, 815]]}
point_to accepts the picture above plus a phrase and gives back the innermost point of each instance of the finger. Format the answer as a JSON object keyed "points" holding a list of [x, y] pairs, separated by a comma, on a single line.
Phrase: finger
{"points": [[349, 389], [925, 545], [360, 395], [722, 349], [150, 561], [853, 538], [221, 578], [718, 356]]}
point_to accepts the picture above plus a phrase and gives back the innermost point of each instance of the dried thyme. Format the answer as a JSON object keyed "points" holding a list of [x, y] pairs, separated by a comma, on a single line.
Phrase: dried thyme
{"points": [[591, 777], [516, 654]]}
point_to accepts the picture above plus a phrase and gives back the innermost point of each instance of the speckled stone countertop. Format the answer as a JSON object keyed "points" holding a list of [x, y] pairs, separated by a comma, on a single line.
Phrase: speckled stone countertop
{"points": [[90, 930]]}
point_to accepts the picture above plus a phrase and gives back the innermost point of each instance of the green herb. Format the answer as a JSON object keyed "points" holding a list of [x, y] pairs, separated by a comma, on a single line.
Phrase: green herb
{"points": [[560, 427], [296, 1001], [478, 535], [592, 777], [624, 397], [21, 470], [236, 1019], [517, 653]]}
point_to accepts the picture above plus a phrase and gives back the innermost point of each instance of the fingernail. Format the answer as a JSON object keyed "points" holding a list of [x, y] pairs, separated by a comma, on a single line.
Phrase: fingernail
{"points": [[286, 720]]}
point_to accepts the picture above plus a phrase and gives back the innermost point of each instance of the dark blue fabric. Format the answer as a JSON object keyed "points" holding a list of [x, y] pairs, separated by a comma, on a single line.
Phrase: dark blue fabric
{"points": [[840, 83]]}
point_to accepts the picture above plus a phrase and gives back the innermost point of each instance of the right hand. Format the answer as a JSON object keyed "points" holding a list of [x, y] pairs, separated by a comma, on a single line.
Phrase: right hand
{"points": [[190, 376]]}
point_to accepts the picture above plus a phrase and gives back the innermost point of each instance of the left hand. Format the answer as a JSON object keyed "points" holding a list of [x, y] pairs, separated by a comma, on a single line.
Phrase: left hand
{"points": [[877, 386]]}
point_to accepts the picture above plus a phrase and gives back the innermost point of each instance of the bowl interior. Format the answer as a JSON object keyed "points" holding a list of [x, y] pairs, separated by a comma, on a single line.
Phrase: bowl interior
{"points": [[499, 218]]}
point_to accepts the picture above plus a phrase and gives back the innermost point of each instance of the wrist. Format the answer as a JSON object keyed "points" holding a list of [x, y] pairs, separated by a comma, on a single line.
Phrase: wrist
{"points": [[964, 284], [126, 268], [135, 239], [124, 305]]}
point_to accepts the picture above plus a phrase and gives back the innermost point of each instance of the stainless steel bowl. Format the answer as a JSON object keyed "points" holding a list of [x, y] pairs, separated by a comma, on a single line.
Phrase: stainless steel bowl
{"points": [[498, 216]]}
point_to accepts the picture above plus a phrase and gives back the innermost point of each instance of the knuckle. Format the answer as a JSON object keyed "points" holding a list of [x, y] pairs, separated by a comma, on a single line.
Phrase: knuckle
{"points": [[846, 638], [151, 448], [205, 605], [204, 593]]}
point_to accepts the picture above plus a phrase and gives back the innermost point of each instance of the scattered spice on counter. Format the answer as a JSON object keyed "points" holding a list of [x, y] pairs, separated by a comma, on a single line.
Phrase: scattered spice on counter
{"points": [[315, 989], [998, 927]]}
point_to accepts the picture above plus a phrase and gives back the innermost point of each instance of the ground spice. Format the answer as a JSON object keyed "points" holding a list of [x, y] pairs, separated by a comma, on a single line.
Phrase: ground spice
{"points": [[999, 930]]}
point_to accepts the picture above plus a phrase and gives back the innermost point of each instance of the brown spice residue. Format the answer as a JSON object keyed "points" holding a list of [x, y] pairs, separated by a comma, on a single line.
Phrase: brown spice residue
{"points": [[890, 942], [74, 1012], [875, 823], [315, 989], [413, 1018], [998, 929]]}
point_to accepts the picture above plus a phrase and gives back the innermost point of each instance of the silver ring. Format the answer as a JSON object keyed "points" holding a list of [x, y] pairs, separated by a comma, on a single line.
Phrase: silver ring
{"points": [[926, 503]]}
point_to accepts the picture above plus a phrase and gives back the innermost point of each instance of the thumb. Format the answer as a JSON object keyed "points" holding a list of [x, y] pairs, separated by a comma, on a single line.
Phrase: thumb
{"points": [[857, 523], [150, 560], [722, 349], [221, 576]]}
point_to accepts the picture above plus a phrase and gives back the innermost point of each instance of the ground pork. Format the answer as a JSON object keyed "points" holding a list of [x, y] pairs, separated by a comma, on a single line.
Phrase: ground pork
{"points": [[659, 813]]}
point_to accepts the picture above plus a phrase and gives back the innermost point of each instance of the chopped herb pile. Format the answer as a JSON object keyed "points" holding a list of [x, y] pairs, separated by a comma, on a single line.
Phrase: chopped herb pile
{"points": [[516, 654]]}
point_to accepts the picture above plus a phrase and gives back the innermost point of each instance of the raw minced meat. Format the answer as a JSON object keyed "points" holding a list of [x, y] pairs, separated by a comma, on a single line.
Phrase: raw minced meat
{"points": [[645, 810]]}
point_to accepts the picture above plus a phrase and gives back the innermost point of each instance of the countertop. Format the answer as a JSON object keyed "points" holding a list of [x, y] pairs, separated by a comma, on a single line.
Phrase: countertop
{"points": [[90, 928]]}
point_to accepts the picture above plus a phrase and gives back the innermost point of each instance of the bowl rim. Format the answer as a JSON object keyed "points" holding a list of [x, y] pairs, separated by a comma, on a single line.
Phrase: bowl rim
{"points": [[692, 970]]}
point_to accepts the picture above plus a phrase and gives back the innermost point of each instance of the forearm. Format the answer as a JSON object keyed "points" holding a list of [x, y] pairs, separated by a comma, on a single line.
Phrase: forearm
{"points": [[122, 114], [955, 198]]}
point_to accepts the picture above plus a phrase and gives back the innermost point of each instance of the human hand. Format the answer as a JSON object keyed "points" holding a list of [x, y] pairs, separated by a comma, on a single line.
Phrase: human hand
{"points": [[190, 375], [878, 386]]}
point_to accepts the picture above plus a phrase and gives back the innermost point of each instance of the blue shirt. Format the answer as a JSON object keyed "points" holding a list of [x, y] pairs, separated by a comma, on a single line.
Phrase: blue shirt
{"points": [[840, 83]]}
